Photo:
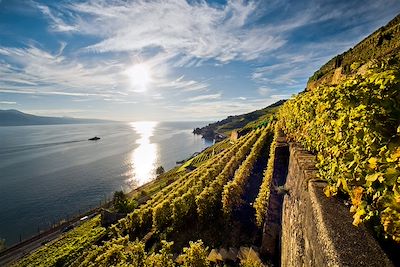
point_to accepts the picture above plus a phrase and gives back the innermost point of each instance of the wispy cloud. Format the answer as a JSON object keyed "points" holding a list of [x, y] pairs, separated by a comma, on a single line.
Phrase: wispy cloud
{"points": [[288, 70], [205, 97], [265, 91], [33, 70], [292, 68], [32, 66], [194, 30], [31, 91], [206, 59], [120, 101], [57, 25], [182, 84]]}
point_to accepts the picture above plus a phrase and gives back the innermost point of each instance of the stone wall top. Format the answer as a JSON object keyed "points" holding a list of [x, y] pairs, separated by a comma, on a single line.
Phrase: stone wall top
{"points": [[316, 230]]}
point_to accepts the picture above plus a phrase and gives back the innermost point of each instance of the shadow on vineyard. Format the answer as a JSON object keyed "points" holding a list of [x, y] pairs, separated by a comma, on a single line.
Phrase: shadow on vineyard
{"points": [[245, 214], [218, 231]]}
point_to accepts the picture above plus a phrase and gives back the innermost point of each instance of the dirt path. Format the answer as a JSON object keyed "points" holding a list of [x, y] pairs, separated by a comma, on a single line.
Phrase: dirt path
{"points": [[273, 219], [246, 213]]}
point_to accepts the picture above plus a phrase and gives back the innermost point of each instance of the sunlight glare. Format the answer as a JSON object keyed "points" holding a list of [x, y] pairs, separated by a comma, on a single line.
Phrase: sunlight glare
{"points": [[139, 76], [144, 157]]}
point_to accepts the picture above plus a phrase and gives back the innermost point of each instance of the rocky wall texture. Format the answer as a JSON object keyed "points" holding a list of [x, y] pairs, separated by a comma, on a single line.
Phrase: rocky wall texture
{"points": [[316, 230]]}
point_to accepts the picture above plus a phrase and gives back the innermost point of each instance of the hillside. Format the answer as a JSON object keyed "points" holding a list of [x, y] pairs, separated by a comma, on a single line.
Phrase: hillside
{"points": [[350, 118], [221, 209], [384, 43], [14, 117], [243, 122]]}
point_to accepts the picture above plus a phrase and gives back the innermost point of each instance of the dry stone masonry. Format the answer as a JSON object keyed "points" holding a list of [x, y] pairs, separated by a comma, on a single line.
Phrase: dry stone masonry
{"points": [[316, 230]]}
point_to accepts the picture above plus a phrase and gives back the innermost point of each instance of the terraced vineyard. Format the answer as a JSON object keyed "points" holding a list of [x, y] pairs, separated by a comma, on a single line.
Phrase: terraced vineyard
{"points": [[354, 130], [206, 154], [177, 213]]}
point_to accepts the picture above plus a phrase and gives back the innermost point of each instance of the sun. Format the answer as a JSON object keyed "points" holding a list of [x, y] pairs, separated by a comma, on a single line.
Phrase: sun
{"points": [[139, 76]]}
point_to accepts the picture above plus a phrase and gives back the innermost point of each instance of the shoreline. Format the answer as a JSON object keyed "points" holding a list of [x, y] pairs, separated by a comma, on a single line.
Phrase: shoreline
{"points": [[63, 223], [85, 167]]}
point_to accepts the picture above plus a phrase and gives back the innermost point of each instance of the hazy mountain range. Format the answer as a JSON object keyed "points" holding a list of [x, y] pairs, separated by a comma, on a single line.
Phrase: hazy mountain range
{"points": [[12, 117]]}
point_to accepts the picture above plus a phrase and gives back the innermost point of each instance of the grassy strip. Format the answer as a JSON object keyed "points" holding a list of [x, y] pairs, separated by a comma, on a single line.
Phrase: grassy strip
{"points": [[67, 247]]}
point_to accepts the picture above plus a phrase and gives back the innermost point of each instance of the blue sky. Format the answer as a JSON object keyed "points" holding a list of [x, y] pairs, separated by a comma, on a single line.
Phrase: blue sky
{"points": [[170, 60]]}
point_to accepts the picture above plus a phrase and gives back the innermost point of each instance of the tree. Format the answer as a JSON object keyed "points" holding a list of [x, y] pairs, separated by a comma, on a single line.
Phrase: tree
{"points": [[122, 204], [160, 170]]}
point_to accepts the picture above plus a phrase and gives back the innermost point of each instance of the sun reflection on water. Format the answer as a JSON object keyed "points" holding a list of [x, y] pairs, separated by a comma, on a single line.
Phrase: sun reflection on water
{"points": [[144, 157]]}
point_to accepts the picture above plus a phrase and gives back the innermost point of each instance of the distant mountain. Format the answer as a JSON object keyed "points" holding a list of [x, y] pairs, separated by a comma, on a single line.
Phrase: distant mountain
{"points": [[14, 117]]}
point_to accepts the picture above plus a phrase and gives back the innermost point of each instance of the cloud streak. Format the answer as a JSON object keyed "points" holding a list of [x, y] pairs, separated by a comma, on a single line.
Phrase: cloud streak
{"points": [[195, 30], [205, 58], [205, 97], [58, 24], [32, 66], [33, 70]]}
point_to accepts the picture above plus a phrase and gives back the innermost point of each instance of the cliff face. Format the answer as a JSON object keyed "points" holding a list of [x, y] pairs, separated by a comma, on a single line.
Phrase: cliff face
{"points": [[382, 44]]}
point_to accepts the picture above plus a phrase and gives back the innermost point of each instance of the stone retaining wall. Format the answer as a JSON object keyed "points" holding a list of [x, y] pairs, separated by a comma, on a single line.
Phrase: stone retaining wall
{"points": [[316, 230]]}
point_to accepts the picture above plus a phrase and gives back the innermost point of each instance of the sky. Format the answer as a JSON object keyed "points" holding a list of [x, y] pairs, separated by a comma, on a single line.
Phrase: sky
{"points": [[171, 60]]}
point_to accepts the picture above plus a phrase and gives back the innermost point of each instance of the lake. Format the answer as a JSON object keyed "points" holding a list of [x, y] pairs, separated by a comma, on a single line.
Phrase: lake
{"points": [[48, 173]]}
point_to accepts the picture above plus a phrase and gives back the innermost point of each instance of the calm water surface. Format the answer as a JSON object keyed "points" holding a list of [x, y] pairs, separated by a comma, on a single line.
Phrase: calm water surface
{"points": [[48, 173]]}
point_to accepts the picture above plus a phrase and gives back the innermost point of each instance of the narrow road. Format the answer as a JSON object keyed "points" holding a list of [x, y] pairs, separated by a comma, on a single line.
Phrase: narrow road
{"points": [[19, 252]]}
